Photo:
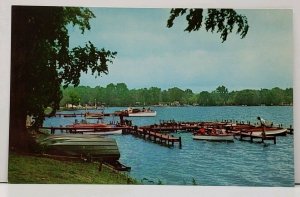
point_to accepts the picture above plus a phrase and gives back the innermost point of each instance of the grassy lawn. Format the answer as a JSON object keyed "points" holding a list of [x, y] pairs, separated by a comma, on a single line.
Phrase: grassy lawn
{"points": [[30, 169]]}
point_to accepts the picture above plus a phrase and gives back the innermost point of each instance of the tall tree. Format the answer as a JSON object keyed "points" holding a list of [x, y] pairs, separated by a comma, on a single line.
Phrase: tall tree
{"points": [[41, 61], [223, 94], [220, 20]]}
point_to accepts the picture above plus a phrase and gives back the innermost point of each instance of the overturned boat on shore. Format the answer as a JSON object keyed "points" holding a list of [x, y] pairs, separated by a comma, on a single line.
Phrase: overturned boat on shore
{"points": [[81, 146]]}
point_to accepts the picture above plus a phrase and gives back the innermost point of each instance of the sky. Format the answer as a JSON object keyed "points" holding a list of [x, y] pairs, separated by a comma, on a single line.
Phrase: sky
{"points": [[152, 55]]}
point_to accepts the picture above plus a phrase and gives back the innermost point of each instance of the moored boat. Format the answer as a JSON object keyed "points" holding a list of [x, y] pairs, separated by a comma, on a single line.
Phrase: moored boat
{"points": [[94, 128], [269, 131], [90, 115], [213, 134], [135, 112], [104, 132], [217, 137]]}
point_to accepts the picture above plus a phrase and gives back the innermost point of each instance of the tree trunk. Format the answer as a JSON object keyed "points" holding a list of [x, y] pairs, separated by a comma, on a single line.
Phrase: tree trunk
{"points": [[18, 134]]}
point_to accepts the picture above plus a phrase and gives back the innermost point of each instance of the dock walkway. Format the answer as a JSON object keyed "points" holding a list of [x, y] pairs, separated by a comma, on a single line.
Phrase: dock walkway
{"points": [[154, 136], [252, 136]]}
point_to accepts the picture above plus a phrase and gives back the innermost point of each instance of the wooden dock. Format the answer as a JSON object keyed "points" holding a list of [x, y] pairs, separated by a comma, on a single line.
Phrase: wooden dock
{"points": [[71, 115], [82, 130], [150, 135], [155, 136], [252, 136]]}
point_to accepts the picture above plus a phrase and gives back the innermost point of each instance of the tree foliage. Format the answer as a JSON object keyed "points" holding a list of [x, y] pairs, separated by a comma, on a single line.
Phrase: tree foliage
{"points": [[221, 21], [120, 95], [41, 60]]}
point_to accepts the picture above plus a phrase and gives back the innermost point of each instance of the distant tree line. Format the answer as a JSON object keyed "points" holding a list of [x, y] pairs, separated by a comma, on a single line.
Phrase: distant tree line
{"points": [[119, 95]]}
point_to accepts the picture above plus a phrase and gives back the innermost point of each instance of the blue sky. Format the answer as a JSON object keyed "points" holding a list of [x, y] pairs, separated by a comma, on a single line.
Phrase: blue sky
{"points": [[150, 54]]}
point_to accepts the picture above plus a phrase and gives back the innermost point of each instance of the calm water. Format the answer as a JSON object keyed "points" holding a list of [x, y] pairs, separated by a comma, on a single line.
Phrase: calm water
{"points": [[207, 163]]}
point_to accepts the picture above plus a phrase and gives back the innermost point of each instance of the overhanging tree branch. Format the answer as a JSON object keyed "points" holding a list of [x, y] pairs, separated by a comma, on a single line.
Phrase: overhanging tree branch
{"points": [[222, 21]]}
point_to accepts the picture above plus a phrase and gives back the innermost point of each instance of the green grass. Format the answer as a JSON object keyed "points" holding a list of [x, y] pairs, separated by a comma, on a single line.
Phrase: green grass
{"points": [[31, 169]]}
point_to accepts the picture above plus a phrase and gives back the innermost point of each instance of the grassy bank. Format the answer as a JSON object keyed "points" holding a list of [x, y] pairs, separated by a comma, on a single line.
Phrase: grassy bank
{"points": [[30, 169]]}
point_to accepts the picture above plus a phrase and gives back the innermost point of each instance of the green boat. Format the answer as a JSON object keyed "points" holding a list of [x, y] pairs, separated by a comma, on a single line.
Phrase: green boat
{"points": [[82, 146]]}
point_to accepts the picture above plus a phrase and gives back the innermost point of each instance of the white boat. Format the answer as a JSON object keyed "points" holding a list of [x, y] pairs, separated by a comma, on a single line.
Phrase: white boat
{"points": [[104, 132], [218, 137], [90, 115], [268, 131], [94, 128], [134, 112]]}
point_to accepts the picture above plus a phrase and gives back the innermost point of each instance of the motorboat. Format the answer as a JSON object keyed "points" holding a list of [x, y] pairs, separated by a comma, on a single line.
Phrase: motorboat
{"points": [[217, 137], [212, 134], [136, 112], [269, 131], [94, 128], [89, 115]]}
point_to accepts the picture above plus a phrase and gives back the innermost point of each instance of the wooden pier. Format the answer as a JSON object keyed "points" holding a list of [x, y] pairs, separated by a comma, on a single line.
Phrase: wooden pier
{"points": [[155, 136], [71, 115], [252, 136], [82, 130]]}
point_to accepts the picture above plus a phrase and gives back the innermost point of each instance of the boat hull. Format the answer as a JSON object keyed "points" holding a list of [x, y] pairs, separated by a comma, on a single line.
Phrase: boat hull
{"points": [[88, 146], [142, 114], [214, 137], [107, 132], [269, 131]]}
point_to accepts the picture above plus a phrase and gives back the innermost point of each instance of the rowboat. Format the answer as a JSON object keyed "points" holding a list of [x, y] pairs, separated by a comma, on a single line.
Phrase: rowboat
{"points": [[104, 132], [90, 115], [94, 128], [217, 137], [89, 125], [87, 146]]}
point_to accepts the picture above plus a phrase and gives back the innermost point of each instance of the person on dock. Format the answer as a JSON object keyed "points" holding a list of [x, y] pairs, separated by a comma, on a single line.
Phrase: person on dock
{"points": [[262, 121], [263, 125]]}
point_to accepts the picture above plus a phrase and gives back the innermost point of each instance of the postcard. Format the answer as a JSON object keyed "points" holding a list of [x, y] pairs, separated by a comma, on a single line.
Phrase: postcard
{"points": [[151, 96]]}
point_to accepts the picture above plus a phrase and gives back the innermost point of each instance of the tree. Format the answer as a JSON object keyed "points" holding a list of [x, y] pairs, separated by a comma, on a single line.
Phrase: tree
{"points": [[176, 94], [221, 20], [222, 92], [247, 97], [74, 98], [205, 99], [41, 61]]}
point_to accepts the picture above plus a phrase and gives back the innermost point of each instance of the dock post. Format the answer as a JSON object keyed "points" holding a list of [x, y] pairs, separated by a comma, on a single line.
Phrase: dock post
{"points": [[291, 130], [100, 166], [149, 136], [274, 139], [180, 144], [52, 130]]}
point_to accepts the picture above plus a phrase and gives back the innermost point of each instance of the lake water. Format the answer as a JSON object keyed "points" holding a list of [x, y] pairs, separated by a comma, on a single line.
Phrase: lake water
{"points": [[202, 162]]}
